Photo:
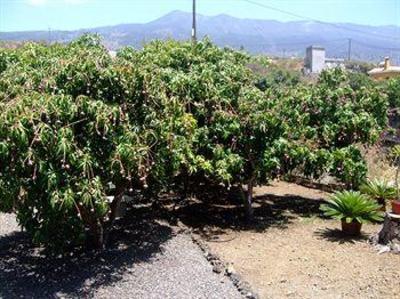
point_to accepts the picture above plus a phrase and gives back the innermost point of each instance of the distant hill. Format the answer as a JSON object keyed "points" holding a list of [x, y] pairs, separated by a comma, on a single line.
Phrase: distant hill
{"points": [[369, 43]]}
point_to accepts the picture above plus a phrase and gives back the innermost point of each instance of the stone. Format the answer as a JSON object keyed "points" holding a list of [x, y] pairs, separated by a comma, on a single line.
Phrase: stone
{"points": [[230, 270], [218, 268]]}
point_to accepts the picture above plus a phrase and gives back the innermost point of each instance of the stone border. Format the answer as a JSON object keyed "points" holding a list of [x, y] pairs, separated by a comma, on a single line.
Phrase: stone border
{"points": [[221, 267]]}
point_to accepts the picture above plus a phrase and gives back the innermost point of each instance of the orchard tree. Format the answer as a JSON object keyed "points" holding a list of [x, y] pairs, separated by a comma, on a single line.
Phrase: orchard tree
{"points": [[79, 129], [215, 124], [68, 148]]}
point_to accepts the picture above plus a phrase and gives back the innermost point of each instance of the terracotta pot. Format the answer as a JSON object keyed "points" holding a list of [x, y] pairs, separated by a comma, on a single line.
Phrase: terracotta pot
{"points": [[396, 207], [352, 228]]}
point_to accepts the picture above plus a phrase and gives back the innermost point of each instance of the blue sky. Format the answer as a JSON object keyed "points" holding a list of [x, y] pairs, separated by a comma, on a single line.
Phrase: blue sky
{"points": [[16, 15]]}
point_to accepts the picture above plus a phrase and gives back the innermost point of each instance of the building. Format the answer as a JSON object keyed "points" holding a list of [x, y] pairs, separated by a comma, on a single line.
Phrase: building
{"points": [[385, 71], [316, 61]]}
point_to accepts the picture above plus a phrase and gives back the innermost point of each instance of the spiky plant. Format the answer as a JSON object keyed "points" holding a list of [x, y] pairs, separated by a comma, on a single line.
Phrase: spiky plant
{"points": [[379, 189], [396, 157], [352, 206]]}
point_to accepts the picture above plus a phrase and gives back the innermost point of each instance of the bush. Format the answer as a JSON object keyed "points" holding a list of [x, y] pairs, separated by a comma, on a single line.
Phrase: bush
{"points": [[392, 88], [278, 77], [79, 129], [64, 140]]}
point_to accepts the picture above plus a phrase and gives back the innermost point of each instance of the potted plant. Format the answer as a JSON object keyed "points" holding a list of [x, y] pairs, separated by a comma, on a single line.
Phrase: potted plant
{"points": [[353, 209], [396, 207], [379, 190]]}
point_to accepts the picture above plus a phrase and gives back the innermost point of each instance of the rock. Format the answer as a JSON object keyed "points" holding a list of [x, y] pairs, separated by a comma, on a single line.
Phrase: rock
{"points": [[230, 270], [249, 295], [218, 268], [395, 247]]}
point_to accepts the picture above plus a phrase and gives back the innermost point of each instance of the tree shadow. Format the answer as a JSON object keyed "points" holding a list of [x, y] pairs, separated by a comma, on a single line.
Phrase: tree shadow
{"points": [[337, 236], [298, 205], [26, 272], [215, 218]]}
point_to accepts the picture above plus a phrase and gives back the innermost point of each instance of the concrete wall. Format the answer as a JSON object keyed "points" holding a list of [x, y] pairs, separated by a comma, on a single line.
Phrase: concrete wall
{"points": [[315, 59]]}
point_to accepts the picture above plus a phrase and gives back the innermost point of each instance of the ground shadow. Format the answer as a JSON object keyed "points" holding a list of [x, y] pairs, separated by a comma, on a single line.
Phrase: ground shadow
{"points": [[337, 236], [270, 210], [25, 272], [298, 205]]}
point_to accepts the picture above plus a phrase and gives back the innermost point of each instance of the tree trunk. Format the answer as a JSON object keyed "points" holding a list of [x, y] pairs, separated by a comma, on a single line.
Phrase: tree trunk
{"points": [[95, 239], [390, 231], [114, 207], [248, 200], [389, 235]]}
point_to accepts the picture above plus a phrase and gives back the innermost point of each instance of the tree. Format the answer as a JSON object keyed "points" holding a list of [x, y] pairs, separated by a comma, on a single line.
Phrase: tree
{"points": [[66, 138], [79, 129]]}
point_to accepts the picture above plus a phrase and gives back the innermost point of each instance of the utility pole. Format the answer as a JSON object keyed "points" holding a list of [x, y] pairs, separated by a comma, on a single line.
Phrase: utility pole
{"points": [[194, 33], [349, 51], [49, 38]]}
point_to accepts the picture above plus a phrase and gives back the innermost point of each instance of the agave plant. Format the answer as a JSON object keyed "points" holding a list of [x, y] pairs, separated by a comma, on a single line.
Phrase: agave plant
{"points": [[353, 209], [380, 190]]}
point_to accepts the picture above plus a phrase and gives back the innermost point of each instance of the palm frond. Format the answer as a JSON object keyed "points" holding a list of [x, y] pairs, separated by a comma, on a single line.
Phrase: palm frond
{"points": [[352, 206]]}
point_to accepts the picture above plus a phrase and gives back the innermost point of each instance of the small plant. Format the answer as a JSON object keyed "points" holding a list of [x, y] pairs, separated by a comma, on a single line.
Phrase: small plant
{"points": [[353, 209], [380, 190], [396, 158]]}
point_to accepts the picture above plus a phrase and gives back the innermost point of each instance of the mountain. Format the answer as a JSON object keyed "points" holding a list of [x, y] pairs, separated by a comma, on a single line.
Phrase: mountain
{"points": [[369, 43]]}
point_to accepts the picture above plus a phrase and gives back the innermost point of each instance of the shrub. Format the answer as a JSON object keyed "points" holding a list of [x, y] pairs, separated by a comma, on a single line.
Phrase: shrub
{"points": [[64, 140], [392, 88], [74, 123], [352, 206]]}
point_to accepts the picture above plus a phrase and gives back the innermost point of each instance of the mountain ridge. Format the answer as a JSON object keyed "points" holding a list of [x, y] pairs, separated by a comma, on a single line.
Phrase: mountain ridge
{"points": [[369, 43]]}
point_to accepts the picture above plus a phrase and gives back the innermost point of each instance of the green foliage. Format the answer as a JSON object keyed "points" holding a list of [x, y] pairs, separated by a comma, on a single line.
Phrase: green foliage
{"points": [[352, 206], [392, 88], [378, 189], [278, 77], [63, 139], [359, 80], [74, 122], [395, 151], [360, 67]]}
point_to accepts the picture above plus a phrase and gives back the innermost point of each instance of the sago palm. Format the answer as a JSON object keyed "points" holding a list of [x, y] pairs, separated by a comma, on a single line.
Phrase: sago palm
{"points": [[380, 190], [351, 206]]}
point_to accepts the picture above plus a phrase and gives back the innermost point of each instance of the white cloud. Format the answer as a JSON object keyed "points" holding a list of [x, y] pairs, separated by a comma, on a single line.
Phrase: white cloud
{"points": [[44, 2]]}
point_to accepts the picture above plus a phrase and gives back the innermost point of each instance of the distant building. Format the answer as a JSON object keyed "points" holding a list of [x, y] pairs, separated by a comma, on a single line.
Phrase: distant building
{"points": [[385, 71], [316, 61]]}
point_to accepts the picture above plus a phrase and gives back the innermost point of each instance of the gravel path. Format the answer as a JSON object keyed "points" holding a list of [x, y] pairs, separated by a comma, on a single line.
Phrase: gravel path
{"points": [[150, 260]]}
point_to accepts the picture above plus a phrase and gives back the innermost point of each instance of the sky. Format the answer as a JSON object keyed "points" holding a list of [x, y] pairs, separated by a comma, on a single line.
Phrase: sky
{"points": [[21, 15]]}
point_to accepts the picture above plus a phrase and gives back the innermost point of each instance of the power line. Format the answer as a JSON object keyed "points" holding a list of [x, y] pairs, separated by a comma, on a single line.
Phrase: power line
{"points": [[317, 21]]}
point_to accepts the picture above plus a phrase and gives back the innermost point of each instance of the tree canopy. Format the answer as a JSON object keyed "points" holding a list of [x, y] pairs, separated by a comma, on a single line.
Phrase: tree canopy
{"points": [[79, 129]]}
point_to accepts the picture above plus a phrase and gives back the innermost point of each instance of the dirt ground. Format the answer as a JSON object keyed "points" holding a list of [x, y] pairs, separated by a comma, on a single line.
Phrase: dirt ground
{"points": [[298, 254]]}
